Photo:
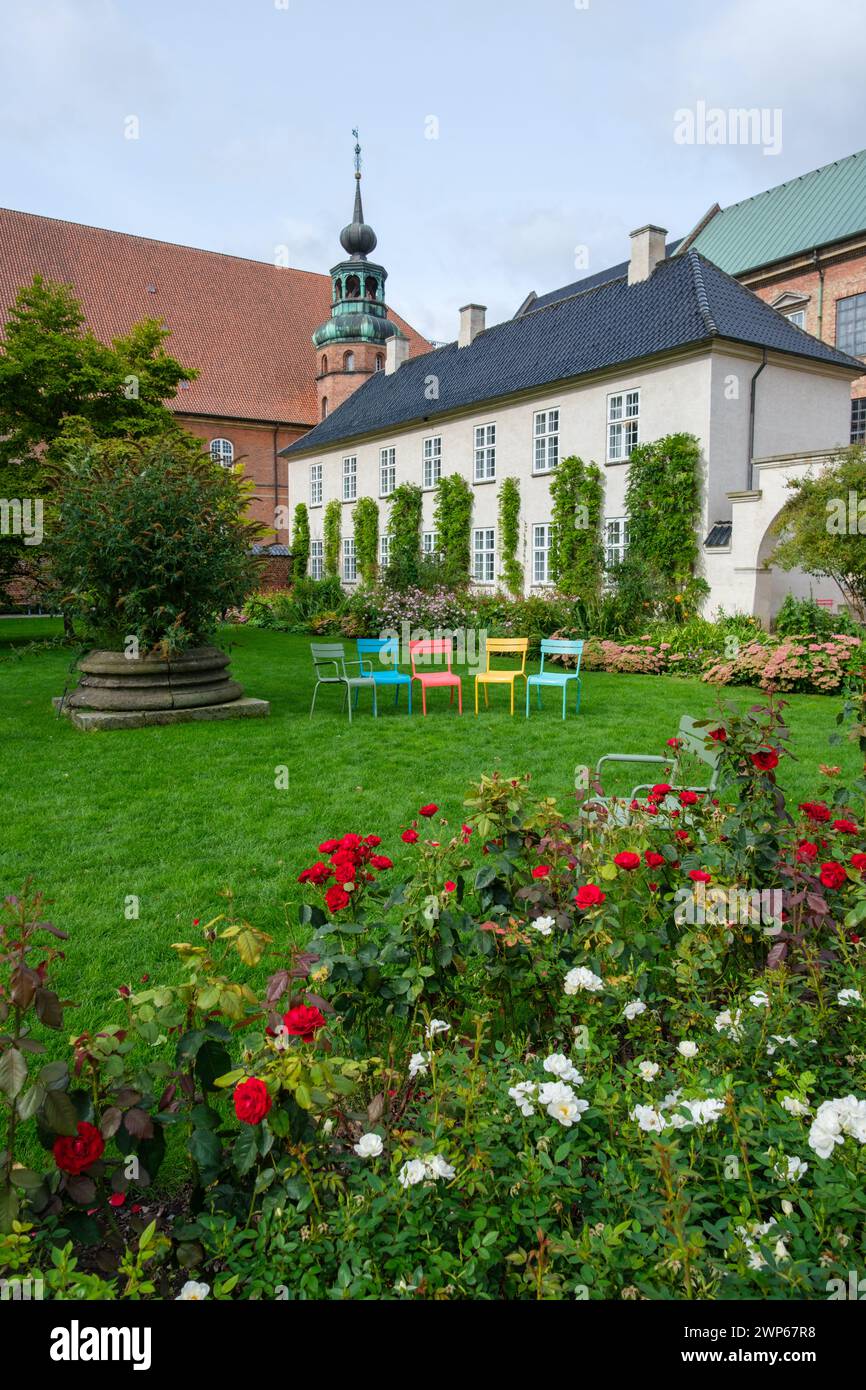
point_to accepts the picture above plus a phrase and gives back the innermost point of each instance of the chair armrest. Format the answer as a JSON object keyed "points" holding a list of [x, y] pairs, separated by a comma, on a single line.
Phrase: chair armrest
{"points": [[329, 661], [361, 663], [631, 758]]}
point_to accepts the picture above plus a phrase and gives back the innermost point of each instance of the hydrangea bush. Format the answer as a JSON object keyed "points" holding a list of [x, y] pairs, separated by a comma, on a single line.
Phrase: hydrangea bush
{"points": [[602, 1050]]}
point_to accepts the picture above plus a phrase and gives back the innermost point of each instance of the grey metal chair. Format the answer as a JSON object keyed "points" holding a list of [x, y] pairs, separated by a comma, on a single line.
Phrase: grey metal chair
{"points": [[693, 744], [331, 655]]}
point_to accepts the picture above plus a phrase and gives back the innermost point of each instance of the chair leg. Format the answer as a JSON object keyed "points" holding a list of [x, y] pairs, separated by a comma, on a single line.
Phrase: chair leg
{"points": [[348, 702], [527, 699], [577, 708], [409, 694], [512, 699], [476, 695], [375, 705], [315, 693], [564, 696], [424, 700], [459, 697], [486, 696]]}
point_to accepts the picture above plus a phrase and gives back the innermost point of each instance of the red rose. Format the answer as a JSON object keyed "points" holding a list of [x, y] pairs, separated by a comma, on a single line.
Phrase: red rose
{"points": [[319, 873], [659, 790], [466, 831], [806, 851], [589, 896], [450, 885], [653, 859], [373, 841], [252, 1101], [428, 810], [858, 862], [719, 735], [351, 842], [833, 875], [381, 861], [765, 759], [674, 743], [409, 836], [303, 1021], [541, 871], [815, 810], [653, 887], [700, 876], [328, 846], [73, 1155], [688, 798], [845, 827], [337, 898], [627, 860], [681, 834]]}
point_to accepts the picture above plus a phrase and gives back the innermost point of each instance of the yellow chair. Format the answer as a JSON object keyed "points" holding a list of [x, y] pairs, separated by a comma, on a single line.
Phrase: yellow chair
{"points": [[502, 646]]}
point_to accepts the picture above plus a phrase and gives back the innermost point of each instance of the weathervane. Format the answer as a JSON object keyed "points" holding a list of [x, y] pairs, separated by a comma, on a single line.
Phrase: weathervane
{"points": [[357, 155]]}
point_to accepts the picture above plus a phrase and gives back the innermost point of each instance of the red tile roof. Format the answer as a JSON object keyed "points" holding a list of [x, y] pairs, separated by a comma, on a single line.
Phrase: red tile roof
{"points": [[244, 324]]}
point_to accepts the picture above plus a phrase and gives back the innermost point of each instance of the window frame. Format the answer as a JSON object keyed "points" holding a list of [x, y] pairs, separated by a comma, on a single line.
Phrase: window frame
{"points": [[350, 559], [391, 468], [218, 457], [317, 483], [619, 547], [486, 554], [434, 459], [428, 550], [350, 478], [547, 528], [858, 347], [622, 422], [487, 449], [858, 420], [317, 559], [384, 550], [549, 438]]}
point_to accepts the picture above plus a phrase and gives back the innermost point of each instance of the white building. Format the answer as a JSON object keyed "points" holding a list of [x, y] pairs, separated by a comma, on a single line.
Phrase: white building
{"points": [[671, 345]]}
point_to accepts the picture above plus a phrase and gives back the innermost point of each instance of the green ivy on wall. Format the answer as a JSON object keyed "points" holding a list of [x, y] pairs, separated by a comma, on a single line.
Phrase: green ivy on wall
{"points": [[365, 517], [300, 542], [509, 534], [663, 506], [404, 531], [576, 551], [332, 529], [452, 518]]}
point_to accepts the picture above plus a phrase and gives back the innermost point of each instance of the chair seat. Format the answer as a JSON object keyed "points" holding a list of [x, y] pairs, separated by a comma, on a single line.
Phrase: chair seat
{"points": [[438, 678], [497, 677], [391, 678], [360, 680], [552, 677]]}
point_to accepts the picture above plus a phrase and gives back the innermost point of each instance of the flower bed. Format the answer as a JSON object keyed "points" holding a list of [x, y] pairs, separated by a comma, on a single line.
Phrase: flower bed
{"points": [[530, 1052]]}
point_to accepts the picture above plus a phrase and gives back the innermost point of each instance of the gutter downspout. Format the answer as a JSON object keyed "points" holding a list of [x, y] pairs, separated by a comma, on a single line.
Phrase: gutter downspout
{"points": [[277, 482], [820, 270], [750, 481]]}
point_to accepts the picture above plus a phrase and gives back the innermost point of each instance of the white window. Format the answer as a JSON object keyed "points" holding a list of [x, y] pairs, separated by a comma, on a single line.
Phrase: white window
{"points": [[545, 440], [483, 555], [387, 471], [317, 559], [485, 452], [798, 317], [428, 542], [384, 550], [623, 425], [615, 540], [542, 537], [222, 451], [350, 568], [350, 479], [315, 485], [432, 460]]}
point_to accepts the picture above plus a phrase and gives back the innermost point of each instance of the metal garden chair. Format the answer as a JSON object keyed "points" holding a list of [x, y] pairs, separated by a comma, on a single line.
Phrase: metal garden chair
{"points": [[387, 649], [554, 646], [331, 654], [693, 745], [442, 647], [499, 646]]}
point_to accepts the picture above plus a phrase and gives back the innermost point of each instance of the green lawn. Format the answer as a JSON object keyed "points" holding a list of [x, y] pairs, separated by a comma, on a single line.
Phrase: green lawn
{"points": [[176, 816]]}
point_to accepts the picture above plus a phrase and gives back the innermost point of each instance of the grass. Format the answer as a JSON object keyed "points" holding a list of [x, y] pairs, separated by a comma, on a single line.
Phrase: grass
{"points": [[177, 816]]}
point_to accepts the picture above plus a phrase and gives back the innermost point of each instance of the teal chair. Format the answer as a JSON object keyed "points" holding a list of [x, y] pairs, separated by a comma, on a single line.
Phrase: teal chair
{"points": [[554, 646], [330, 657], [386, 650]]}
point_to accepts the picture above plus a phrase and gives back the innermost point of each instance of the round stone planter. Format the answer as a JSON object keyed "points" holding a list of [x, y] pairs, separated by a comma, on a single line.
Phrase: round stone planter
{"points": [[192, 680]]}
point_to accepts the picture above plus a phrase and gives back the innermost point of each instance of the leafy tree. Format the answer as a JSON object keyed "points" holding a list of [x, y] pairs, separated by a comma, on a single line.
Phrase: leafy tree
{"points": [[333, 525], [576, 554], [365, 517], [404, 530], [54, 372], [663, 505], [151, 540], [452, 518], [509, 534], [300, 542], [823, 526]]}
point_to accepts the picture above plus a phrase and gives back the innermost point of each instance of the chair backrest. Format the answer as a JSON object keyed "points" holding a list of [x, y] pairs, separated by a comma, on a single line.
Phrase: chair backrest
{"points": [[507, 646], [559, 646], [387, 649], [429, 648], [694, 743], [326, 653]]}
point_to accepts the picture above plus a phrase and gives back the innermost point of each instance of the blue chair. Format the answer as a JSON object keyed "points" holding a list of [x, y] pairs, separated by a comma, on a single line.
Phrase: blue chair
{"points": [[387, 651], [554, 646]]}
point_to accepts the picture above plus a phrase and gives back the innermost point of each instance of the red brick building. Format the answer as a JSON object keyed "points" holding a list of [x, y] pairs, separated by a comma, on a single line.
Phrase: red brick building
{"points": [[245, 325]]}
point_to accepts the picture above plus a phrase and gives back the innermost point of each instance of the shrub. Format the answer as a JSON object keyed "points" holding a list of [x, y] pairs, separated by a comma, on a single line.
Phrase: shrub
{"points": [[333, 525], [404, 530], [509, 534], [576, 554], [452, 518], [300, 542], [365, 517]]}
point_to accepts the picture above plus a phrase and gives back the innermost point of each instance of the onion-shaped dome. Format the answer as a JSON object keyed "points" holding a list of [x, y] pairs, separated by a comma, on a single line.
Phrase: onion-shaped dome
{"points": [[358, 238]]}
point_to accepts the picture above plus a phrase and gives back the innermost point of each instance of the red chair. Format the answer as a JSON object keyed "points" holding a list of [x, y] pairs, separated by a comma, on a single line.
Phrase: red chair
{"points": [[443, 648]]}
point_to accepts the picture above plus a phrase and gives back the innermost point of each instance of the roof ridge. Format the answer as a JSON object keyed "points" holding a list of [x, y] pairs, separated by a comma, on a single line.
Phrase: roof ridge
{"points": [[831, 164], [695, 260], [161, 241]]}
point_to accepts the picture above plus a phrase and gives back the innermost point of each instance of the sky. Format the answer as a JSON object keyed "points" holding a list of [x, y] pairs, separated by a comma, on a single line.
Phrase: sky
{"points": [[508, 146]]}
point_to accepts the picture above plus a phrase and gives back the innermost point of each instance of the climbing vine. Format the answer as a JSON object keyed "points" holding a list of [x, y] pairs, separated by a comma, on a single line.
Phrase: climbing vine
{"points": [[452, 518], [404, 531], [366, 521], [509, 534], [663, 505], [300, 542], [333, 527], [576, 552]]}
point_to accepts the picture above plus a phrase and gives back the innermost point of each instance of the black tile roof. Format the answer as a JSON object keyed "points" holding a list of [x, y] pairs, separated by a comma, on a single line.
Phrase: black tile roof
{"points": [[589, 282], [687, 300]]}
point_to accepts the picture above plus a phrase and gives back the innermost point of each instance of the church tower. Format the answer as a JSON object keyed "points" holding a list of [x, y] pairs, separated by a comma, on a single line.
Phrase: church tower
{"points": [[350, 345]]}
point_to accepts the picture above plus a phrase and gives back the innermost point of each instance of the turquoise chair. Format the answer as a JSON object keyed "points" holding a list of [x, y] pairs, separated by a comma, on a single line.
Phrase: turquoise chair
{"points": [[386, 650], [554, 646]]}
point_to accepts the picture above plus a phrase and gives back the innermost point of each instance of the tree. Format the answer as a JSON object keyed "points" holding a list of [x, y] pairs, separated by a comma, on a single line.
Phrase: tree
{"points": [[509, 534], [452, 518], [576, 554], [55, 375], [300, 542], [404, 532], [333, 525], [822, 526], [663, 505], [365, 519]]}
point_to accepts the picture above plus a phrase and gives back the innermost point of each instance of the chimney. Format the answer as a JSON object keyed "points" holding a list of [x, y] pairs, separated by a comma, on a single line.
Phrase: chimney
{"points": [[471, 323], [396, 352], [647, 249]]}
